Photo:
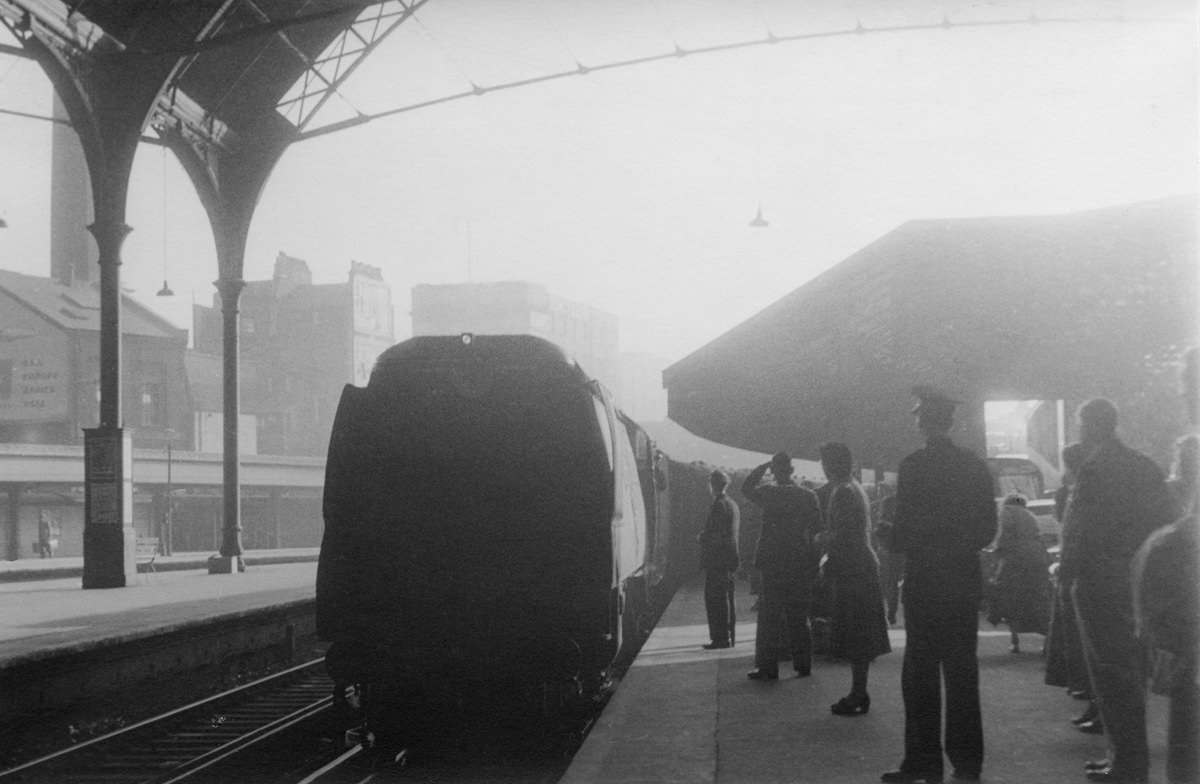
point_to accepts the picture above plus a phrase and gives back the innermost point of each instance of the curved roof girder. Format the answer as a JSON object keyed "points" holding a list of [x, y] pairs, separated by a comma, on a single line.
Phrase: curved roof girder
{"points": [[355, 43], [229, 183], [214, 80], [108, 105]]}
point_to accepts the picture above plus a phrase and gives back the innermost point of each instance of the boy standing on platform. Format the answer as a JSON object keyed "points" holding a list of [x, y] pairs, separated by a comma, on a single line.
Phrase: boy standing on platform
{"points": [[719, 560]]}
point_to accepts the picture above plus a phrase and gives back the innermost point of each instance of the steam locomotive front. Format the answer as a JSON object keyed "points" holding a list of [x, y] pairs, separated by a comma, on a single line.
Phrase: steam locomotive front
{"points": [[469, 506]]}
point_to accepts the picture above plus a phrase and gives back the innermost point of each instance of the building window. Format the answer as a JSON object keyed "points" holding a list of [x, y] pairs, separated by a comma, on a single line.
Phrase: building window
{"points": [[154, 405]]}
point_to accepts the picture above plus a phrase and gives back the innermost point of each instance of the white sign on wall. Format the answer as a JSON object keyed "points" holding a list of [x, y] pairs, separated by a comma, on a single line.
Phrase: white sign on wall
{"points": [[34, 379]]}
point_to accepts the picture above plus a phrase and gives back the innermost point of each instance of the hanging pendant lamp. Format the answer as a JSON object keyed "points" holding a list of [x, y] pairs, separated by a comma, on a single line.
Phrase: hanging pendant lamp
{"points": [[165, 291]]}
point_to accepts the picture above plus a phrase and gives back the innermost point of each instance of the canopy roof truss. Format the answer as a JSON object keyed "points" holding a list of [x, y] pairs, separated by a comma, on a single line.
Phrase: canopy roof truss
{"points": [[235, 66]]}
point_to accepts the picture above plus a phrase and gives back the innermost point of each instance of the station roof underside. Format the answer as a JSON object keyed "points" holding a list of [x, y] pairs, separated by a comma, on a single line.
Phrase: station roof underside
{"points": [[236, 62]]}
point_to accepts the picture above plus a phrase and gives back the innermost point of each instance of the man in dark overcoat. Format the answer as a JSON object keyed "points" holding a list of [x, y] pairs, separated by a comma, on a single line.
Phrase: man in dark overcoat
{"points": [[945, 514], [719, 560], [1120, 498], [786, 556]]}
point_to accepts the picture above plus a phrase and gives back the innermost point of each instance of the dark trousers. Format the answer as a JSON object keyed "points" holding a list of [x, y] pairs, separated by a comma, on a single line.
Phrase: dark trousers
{"points": [[718, 603], [1064, 650], [783, 606], [941, 646], [1116, 666]]}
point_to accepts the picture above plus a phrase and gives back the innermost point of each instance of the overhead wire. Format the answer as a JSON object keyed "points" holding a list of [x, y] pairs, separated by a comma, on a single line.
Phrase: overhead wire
{"points": [[858, 30], [580, 69]]}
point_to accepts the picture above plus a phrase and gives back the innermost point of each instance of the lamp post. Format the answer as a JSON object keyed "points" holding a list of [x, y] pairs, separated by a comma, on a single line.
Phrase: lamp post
{"points": [[169, 436]]}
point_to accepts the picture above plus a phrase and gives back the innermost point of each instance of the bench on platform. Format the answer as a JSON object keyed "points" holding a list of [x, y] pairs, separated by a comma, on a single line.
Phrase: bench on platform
{"points": [[146, 552]]}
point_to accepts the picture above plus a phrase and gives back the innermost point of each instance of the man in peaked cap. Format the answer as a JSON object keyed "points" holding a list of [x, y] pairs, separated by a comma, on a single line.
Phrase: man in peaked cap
{"points": [[787, 556], [945, 514]]}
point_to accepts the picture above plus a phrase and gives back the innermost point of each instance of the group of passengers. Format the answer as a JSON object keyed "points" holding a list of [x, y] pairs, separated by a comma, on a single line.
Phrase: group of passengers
{"points": [[1121, 614]]}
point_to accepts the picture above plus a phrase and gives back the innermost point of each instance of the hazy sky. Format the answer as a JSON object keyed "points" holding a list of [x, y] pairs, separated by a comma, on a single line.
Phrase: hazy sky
{"points": [[631, 189]]}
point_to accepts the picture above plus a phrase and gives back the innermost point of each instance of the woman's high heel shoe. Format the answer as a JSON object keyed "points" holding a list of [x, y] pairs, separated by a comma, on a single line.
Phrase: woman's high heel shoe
{"points": [[851, 705]]}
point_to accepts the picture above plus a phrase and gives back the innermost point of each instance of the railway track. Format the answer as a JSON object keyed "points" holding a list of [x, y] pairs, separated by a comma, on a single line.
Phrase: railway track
{"points": [[285, 729], [203, 741]]}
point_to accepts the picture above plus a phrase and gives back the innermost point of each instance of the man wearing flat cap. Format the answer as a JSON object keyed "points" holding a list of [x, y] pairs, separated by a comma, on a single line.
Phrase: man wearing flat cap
{"points": [[787, 557], [945, 514]]}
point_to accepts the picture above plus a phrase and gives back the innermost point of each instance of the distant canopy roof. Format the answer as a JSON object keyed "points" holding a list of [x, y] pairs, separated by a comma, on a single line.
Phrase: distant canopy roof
{"points": [[1044, 307]]}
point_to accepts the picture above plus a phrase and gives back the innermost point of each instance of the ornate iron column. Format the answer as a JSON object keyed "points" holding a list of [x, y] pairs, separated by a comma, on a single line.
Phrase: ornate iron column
{"points": [[229, 183], [109, 539], [229, 560], [109, 92]]}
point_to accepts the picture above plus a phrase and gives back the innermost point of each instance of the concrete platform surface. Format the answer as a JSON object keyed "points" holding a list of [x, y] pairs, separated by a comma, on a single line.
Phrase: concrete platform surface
{"points": [[39, 618], [686, 715]]}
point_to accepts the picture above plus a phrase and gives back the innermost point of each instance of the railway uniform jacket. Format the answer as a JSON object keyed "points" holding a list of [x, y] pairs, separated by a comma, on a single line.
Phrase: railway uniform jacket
{"points": [[719, 539], [945, 514], [791, 516]]}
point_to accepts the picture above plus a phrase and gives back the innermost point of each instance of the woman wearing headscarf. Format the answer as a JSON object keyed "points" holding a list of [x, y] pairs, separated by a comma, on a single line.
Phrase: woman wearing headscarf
{"points": [[1021, 581], [859, 623]]}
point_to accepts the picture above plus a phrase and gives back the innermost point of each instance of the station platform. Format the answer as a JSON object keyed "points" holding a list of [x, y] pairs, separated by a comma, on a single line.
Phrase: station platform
{"points": [[50, 568], [47, 613], [686, 715], [681, 714]]}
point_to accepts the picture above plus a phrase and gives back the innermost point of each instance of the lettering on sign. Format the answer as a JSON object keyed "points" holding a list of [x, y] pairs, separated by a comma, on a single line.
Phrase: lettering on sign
{"points": [[34, 381]]}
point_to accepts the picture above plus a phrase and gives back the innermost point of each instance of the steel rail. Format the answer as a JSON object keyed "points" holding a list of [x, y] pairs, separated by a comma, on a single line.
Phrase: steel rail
{"points": [[342, 759], [195, 707], [243, 742]]}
